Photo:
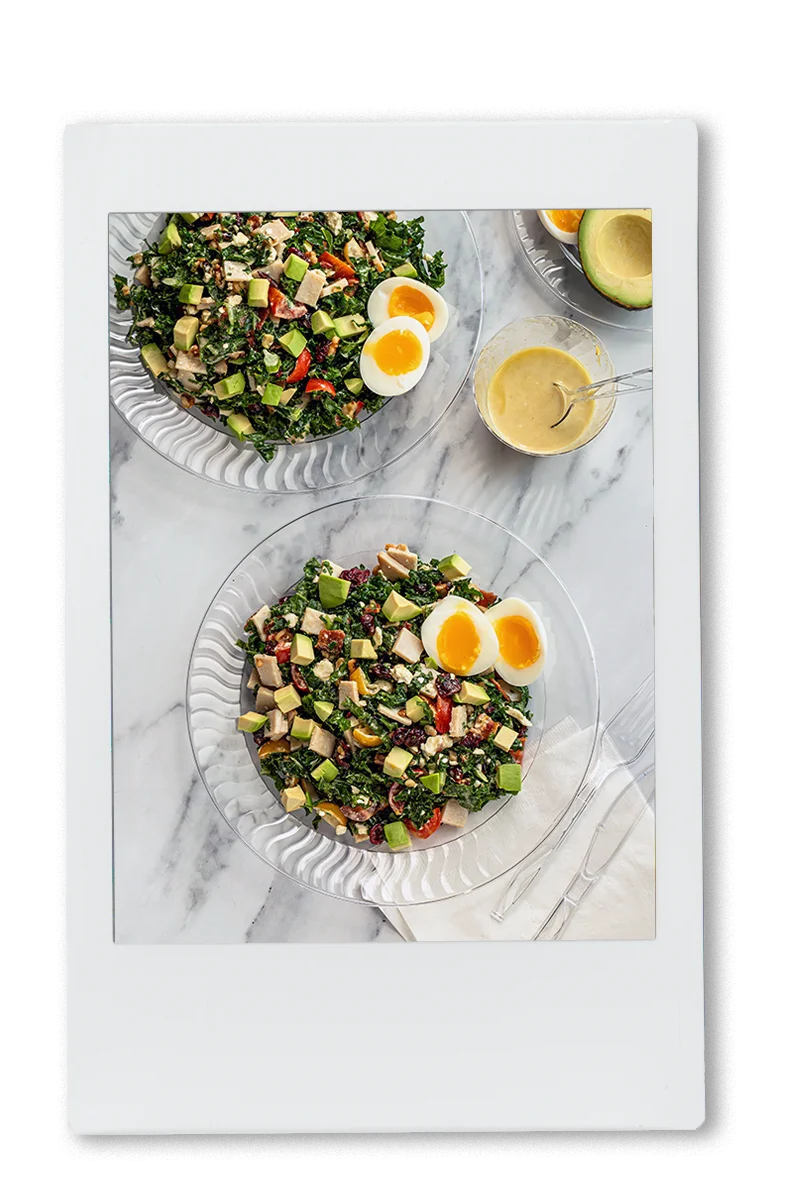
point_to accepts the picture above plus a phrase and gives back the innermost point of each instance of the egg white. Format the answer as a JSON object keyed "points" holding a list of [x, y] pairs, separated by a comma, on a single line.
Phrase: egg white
{"points": [[393, 385], [514, 607], [431, 628], [378, 304]]}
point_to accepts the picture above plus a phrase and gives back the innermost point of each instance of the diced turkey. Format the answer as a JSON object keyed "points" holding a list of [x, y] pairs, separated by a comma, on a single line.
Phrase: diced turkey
{"points": [[407, 646], [322, 742], [312, 622], [260, 617], [309, 289], [268, 670]]}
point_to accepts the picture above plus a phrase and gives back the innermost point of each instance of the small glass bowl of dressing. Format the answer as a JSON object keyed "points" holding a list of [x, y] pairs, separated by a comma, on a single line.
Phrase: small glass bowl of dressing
{"points": [[513, 385]]}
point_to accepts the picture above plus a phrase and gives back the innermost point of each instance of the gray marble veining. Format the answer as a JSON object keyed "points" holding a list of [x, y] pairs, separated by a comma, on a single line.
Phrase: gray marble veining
{"points": [[180, 874]]}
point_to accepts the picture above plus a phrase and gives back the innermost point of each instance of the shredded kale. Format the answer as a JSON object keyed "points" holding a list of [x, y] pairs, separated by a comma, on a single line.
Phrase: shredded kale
{"points": [[236, 338]]}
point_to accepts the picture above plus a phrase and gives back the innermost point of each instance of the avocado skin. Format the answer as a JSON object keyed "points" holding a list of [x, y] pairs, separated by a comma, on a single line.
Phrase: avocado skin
{"points": [[588, 262]]}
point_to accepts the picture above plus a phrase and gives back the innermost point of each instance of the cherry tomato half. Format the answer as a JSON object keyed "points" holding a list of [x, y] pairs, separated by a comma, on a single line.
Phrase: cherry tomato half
{"points": [[301, 367], [430, 826], [320, 385]]}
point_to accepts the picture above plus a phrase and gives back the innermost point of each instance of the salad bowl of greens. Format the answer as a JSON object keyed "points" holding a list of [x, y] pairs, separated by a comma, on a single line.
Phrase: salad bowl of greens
{"points": [[236, 338], [363, 793]]}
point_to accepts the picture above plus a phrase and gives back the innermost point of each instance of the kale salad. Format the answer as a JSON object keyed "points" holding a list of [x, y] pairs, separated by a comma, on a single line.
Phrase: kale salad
{"points": [[358, 717], [259, 319]]}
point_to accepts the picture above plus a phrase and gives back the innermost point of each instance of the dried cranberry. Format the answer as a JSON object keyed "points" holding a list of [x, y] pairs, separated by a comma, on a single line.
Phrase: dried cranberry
{"points": [[298, 679], [342, 755], [379, 671], [259, 737], [255, 410], [412, 736], [472, 740], [376, 835], [209, 409], [320, 352], [356, 576], [298, 253], [447, 685], [367, 622], [457, 776]]}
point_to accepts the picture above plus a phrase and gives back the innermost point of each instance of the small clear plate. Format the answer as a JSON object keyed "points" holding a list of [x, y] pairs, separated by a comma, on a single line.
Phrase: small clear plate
{"points": [[558, 268]]}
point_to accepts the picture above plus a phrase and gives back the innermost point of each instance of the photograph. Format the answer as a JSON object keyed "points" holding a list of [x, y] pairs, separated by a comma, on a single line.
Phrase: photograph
{"points": [[382, 598]]}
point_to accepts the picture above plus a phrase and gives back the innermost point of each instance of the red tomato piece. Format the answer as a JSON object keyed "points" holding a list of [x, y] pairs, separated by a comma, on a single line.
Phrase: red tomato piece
{"points": [[430, 826], [301, 367], [283, 652], [443, 711], [320, 385]]}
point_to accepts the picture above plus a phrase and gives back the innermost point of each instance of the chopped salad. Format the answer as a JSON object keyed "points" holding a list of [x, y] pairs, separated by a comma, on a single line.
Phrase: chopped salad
{"points": [[355, 719], [259, 319]]}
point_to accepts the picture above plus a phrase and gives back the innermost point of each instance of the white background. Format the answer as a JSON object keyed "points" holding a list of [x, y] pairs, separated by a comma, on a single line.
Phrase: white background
{"points": [[68, 70]]}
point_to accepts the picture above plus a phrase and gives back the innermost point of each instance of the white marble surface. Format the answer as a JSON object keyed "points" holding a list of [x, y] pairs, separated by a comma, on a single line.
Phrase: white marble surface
{"points": [[181, 875]]}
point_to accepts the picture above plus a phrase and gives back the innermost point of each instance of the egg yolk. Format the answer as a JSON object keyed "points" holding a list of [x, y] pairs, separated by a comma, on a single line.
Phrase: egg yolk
{"points": [[397, 352], [518, 641], [458, 643], [410, 302], [566, 219]]}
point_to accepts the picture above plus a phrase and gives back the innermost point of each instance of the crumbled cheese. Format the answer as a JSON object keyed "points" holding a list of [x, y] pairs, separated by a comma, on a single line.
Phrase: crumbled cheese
{"points": [[323, 670], [401, 673], [236, 272], [291, 620], [518, 716], [334, 221]]}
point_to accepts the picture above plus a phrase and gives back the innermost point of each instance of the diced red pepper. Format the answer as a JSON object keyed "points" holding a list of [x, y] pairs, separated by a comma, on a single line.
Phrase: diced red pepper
{"points": [[430, 826], [341, 269], [443, 711], [300, 368], [280, 307], [517, 755], [486, 599], [320, 385]]}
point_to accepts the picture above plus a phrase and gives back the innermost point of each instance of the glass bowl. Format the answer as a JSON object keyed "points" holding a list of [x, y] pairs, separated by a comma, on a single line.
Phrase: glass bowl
{"points": [[558, 268], [561, 334], [564, 700], [208, 449]]}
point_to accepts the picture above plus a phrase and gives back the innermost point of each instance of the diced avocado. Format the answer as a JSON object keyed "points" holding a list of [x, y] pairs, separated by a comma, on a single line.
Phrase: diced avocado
{"points": [[154, 359], [301, 651], [396, 835], [322, 323], [302, 728], [323, 709], [231, 385], [354, 385], [333, 591], [190, 218], [287, 698], [294, 342], [397, 762], [504, 738], [472, 693], [416, 709], [240, 425], [271, 361], [257, 293], [362, 648], [295, 267], [251, 722], [397, 608], [185, 332], [406, 270], [325, 772], [435, 782], [350, 326], [191, 293], [292, 798], [508, 776], [432, 664], [170, 239], [272, 394], [453, 567]]}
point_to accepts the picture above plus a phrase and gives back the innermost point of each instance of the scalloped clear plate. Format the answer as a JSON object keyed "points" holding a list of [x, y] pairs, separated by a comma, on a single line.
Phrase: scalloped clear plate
{"points": [[559, 270], [453, 862], [206, 448]]}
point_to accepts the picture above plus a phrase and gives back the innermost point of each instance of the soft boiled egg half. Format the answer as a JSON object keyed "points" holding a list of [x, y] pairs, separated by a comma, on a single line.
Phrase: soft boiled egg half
{"points": [[394, 357], [521, 641], [459, 637], [409, 298]]}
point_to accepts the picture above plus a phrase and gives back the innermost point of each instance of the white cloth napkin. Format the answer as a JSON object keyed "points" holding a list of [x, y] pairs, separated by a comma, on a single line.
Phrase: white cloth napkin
{"points": [[620, 906]]}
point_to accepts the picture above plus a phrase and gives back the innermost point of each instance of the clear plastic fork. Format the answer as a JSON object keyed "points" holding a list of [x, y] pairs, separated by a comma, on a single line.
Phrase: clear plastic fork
{"points": [[629, 731], [631, 381]]}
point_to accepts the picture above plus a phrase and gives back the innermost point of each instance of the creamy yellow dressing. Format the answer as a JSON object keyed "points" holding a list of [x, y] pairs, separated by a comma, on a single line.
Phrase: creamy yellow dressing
{"points": [[524, 404]]}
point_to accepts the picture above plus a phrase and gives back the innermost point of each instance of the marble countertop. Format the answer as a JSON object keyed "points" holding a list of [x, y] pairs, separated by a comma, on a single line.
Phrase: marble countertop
{"points": [[181, 875]]}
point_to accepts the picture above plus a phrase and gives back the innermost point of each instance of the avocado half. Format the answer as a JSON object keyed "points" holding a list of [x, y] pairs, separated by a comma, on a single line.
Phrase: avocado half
{"points": [[615, 247]]}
